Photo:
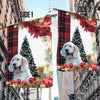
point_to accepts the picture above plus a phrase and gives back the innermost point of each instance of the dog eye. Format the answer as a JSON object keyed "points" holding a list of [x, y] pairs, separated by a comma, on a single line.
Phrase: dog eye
{"points": [[17, 59], [70, 46], [65, 45]]}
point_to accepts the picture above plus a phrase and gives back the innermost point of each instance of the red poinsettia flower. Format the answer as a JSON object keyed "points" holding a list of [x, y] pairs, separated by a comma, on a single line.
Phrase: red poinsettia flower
{"points": [[26, 24], [40, 24], [93, 66], [92, 22], [47, 21]]}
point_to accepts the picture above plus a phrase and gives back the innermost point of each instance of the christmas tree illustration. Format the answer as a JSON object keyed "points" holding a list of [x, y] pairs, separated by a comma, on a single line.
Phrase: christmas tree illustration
{"points": [[26, 52], [77, 40]]}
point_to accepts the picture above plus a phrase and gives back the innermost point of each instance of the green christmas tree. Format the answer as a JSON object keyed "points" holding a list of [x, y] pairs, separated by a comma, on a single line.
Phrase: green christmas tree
{"points": [[26, 52], [78, 42]]}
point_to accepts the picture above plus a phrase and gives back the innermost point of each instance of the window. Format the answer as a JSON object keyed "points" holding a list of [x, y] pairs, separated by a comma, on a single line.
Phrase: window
{"points": [[15, 21], [0, 10], [4, 33], [6, 9], [6, 17], [10, 22], [12, 9]]}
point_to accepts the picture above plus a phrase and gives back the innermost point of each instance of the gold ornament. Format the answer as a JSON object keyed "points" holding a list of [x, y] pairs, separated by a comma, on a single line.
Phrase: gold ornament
{"points": [[93, 54], [41, 20], [66, 69], [67, 13], [50, 40], [42, 86], [37, 79], [95, 60], [90, 69], [14, 85], [58, 67], [89, 19], [86, 64], [15, 26], [7, 83], [47, 65], [88, 56], [51, 72]]}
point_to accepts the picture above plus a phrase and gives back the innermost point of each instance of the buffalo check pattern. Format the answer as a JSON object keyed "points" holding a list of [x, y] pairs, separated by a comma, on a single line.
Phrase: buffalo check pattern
{"points": [[12, 48], [63, 34]]}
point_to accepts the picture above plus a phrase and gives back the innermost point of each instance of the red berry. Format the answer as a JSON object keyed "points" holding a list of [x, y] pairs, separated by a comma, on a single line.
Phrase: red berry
{"points": [[20, 86], [47, 21], [44, 79], [65, 66], [13, 82], [18, 81], [82, 64], [73, 70], [83, 69], [34, 86], [41, 82], [46, 83], [25, 83], [76, 66], [89, 67], [70, 65], [34, 82], [94, 66], [31, 79], [50, 82]]}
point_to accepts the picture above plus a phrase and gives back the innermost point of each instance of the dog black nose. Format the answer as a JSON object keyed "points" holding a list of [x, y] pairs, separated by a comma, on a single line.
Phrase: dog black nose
{"points": [[66, 50], [14, 64]]}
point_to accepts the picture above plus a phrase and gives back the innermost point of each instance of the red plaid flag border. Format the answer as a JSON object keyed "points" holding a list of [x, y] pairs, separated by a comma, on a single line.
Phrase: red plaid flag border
{"points": [[12, 48], [63, 34]]}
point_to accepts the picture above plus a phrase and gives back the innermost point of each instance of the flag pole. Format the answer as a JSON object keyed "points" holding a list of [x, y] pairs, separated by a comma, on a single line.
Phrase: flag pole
{"points": [[72, 12], [54, 15]]}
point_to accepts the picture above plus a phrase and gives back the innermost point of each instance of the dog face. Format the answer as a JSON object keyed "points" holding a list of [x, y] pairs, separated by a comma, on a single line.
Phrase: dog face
{"points": [[69, 50], [69, 47], [17, 63], [17, 60]]}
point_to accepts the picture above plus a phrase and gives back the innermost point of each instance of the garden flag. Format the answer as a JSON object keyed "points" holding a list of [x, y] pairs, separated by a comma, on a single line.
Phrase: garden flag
{"points": [[76, 42], [29, 56]]}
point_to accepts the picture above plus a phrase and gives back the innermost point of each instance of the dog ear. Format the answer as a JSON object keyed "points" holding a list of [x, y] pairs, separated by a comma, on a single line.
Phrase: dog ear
{"points": [[10, 67], [24, 66], [63, 52], [76, 52], [24, 61]]}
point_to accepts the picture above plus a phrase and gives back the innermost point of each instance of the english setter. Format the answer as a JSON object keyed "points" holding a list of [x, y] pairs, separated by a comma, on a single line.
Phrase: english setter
{"points": [[71, 53], [19, 66]]}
